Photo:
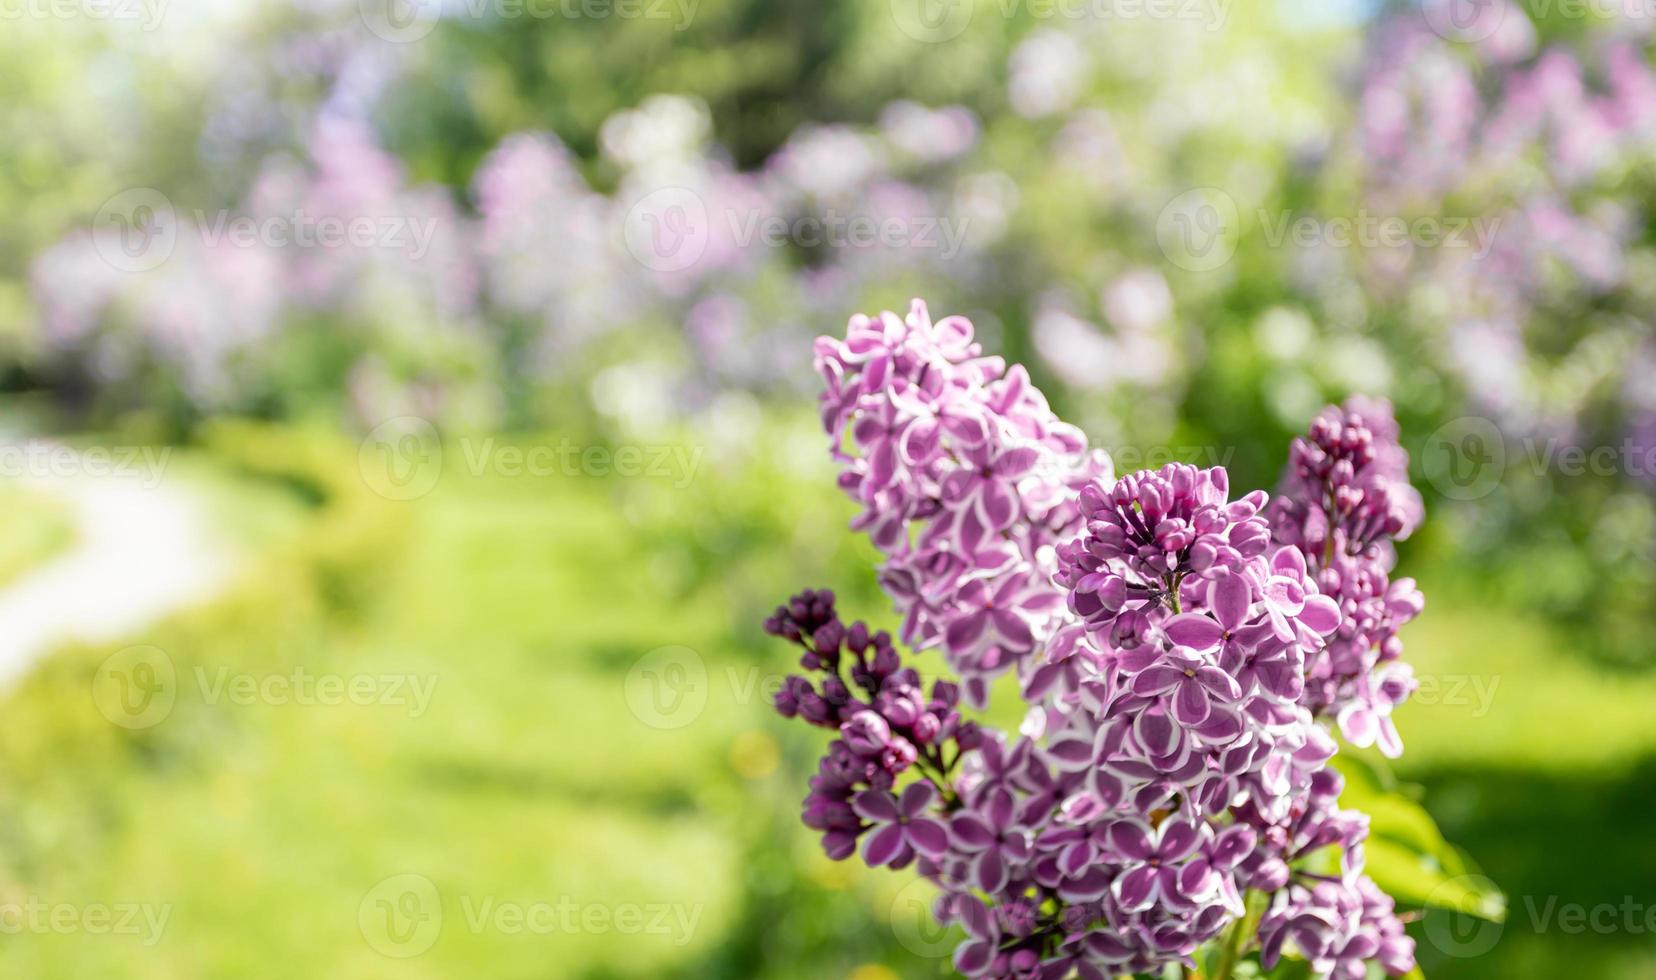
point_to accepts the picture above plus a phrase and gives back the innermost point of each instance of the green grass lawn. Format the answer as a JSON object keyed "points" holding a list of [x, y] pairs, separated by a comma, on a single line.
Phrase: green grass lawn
{"points": [[1542, 765], [584, 807], [34, 528], [526, 786]]}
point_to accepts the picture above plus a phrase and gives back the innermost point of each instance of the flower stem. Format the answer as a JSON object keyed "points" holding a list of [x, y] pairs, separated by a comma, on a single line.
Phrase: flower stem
{"points": [[1237, 938], [929, 764], [1332, 514]]}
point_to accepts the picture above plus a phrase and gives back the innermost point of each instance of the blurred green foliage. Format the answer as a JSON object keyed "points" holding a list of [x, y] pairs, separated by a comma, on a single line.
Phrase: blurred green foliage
{"points": [[264, 829], [533, 777]]}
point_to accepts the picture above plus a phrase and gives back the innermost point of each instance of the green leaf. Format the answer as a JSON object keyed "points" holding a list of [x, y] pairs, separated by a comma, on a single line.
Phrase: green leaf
{"points": [[1407, 855], [1289, 968]]}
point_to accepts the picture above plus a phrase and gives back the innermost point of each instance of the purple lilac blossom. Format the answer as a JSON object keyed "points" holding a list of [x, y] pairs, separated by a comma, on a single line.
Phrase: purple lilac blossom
{"points": [[340, 232], [836, 210], [1345, 497], [1175, 653], [543, 239], [929, 135], [963, 473], [1538, 144]]}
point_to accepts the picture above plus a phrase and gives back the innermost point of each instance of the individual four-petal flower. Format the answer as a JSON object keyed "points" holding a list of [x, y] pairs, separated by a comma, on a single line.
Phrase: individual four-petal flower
{"points": [[900, 825]]}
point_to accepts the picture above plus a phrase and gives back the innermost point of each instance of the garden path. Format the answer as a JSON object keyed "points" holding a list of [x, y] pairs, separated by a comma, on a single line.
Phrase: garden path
{"points": [[143, 548]]}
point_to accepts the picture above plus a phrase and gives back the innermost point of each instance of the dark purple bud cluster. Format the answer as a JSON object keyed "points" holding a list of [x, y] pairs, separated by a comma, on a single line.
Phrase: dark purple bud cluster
{"points": [[887, 723]]}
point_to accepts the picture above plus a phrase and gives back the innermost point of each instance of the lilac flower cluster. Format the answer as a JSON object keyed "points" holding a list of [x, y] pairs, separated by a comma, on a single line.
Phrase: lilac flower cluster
{"points": [[343, 233], [1536, 136], [1538, 141], [966, 480], [445, 292], [1170, 787], [887, 726], [1345, 497]]}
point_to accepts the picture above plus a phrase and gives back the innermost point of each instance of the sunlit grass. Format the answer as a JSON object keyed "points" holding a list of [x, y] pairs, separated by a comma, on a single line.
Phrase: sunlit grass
{"points": [[34, 528]]}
